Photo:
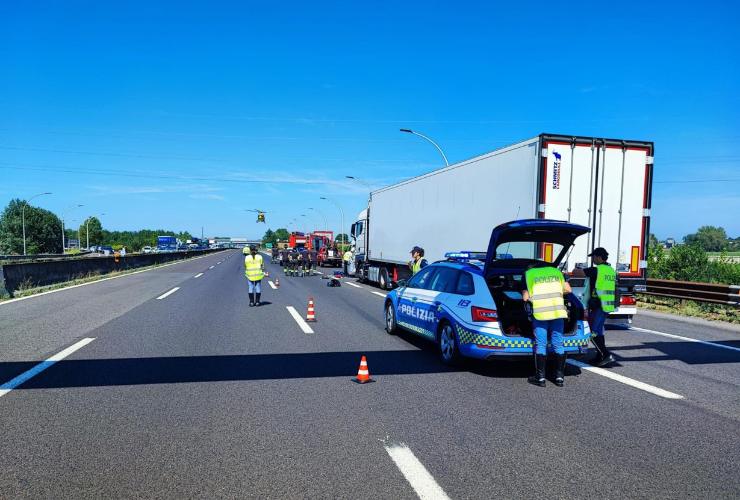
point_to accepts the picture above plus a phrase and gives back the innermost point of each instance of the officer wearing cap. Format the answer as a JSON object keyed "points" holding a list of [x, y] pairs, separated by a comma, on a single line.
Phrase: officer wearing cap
{"points": [[603, 283], [418, 261], [254, 270]]}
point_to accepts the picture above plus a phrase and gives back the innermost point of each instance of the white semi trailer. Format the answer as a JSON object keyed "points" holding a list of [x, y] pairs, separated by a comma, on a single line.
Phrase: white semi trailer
{"points": [[604, 184]]}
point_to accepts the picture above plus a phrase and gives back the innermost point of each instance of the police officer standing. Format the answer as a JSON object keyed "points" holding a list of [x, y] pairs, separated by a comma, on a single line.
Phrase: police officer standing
{"points": [[254, 270], [544, 299], [603, 280], [418, 261], [346, 259]]}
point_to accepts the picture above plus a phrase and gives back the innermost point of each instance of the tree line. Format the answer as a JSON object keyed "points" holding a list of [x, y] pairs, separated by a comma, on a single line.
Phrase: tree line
{"points": [[44, 232]]}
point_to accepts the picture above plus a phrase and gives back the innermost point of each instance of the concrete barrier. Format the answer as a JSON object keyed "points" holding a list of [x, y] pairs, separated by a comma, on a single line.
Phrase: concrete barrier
{"points": [[36, 274]]}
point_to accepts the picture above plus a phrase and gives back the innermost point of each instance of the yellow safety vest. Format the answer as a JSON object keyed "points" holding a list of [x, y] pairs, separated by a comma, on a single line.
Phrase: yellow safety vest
{"points": [[254, 268], [416, 266], [347, 256], [606, 283], [545, 286]]}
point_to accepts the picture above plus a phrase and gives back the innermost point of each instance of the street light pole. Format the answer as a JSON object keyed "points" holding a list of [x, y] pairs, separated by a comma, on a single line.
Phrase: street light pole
{"points": [[69, 209], [344, 235], [326, 224], [409, 131], [23, 217]]}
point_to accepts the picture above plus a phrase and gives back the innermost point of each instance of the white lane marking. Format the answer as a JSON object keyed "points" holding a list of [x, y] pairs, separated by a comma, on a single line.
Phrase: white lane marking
{"points": [[23, 377], [688, 339], [9, 301], [198, 275], [415, 473], [352, 284], [218, 263], [379, 294], [211, 267], [319, 272], [626, 380], [272, 285], [167, 294], [297, 317]]}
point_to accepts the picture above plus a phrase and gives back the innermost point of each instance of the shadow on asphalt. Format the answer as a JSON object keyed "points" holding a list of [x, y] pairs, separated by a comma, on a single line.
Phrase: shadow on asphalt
{"points": [[691, 353]]}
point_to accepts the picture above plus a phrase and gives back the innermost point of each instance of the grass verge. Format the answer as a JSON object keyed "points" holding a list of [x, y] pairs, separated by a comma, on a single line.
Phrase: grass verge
{"points": [[714, 312]]}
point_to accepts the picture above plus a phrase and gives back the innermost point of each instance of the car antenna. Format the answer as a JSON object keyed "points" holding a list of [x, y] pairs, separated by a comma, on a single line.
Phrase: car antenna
{"points": [[516, 217]]}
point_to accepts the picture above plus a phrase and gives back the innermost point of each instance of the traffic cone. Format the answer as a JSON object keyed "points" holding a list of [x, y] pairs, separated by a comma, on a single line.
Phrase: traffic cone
{"points": [[363, 373], [277, 282], [311, 314]]}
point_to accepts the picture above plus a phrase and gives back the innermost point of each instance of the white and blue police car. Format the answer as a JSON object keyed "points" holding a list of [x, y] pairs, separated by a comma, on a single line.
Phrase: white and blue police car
{"points": [[470, 305]]}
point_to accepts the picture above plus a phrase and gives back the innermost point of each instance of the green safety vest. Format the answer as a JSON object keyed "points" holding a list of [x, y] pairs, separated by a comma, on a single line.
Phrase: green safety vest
{"points": [[254, 268], [416, 266], [545, 286], [606, 283], [347, 256]]}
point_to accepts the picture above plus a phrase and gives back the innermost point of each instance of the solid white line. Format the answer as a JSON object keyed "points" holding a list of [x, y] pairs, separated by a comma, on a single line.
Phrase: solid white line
{"points": [[10, 301], [167, 294], [23, 377], [218, 263], [415, 473], [626, 380], [379, 294], [198, 275], [352, 284], [272, 285], [297, 317], [211, 267], [688, 339]]}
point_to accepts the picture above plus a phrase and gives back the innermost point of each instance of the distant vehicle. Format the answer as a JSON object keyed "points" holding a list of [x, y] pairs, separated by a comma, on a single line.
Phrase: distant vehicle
{"points": [[146, 249], [297, 240], [603, 184], [106, 249], [166, 243], [471, 304]]}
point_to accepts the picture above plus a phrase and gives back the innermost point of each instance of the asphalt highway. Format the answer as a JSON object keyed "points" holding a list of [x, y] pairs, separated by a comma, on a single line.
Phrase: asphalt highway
{"points": [[166, 384]]}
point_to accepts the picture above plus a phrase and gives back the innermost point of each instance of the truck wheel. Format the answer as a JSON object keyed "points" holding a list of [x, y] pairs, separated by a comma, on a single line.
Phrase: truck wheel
{"points": [[390, 318], [447, 344], [383, 278]]}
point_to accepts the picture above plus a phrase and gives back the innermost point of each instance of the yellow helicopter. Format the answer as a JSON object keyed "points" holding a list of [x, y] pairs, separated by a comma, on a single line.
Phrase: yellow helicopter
{"points": [[260, 214]]}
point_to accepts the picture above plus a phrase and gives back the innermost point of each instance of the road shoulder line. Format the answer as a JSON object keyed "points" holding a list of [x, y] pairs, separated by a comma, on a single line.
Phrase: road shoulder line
{"points": [[29, 374], [626, 380], [687, 339]]}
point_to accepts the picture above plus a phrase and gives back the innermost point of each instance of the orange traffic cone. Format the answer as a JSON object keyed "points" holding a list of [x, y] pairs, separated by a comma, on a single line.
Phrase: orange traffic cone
{"points": [[277, 282], [311, 314], [363, 373]]}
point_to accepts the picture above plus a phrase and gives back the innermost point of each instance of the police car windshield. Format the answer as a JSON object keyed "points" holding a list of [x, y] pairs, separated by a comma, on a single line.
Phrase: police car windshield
{"points": [[530, 250]]}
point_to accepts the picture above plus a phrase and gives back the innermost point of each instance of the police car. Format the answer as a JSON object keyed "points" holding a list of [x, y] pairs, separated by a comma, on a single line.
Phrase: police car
{"points": [[471, 304]]}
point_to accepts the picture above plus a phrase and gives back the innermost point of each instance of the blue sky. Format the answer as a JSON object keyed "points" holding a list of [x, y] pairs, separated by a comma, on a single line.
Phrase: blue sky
{"points": [[162, 115]]}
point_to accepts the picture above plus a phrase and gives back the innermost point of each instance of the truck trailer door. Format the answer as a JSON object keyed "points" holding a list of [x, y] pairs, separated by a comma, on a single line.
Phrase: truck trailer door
{"points": [[604, 185]]}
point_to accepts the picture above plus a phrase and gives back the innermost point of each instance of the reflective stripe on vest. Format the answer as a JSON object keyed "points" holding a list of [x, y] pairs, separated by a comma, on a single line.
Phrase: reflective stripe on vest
{"points": [[253, 268], [545, 286], [606, 283], [416, 267]]}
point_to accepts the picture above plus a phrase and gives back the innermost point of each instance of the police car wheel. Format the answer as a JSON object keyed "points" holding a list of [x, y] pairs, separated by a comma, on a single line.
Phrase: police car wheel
{"points": [[447, 344], [390, 319]]}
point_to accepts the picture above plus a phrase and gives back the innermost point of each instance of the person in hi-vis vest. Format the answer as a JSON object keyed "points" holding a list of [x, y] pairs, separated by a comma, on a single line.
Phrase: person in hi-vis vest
{"points": [[603, 284], [543, 297], [254, 270]]}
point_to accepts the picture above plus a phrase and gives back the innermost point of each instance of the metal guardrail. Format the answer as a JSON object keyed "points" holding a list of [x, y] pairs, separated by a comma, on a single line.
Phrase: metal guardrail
{"points": [[690, 290]]}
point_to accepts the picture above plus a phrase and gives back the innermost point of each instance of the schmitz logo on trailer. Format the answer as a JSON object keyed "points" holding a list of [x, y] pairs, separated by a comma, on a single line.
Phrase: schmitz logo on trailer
{"points": [[556, 171]]}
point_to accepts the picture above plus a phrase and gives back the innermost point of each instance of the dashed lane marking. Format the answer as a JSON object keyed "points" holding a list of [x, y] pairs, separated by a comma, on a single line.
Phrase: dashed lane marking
{"points": [[298, 319], [352, 284], [40, 294], [211, 267], [167, 294], [198, 275], [25, 376], [415, 473], [687, 339], [626, 380], [379, 294], [272, 285]]}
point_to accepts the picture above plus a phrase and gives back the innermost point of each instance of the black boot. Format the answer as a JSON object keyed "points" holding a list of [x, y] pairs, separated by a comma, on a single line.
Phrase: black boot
{"points": [[559, 370], [538, 378], [251, 300], [603, 356], [257, 302]]}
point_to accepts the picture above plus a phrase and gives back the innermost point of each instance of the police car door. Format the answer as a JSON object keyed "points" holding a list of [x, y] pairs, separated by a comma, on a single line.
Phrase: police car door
{"points": [[413, 303]]}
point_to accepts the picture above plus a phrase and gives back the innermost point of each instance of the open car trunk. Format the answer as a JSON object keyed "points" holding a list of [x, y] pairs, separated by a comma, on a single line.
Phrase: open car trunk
{"points": [[516, 246]]}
